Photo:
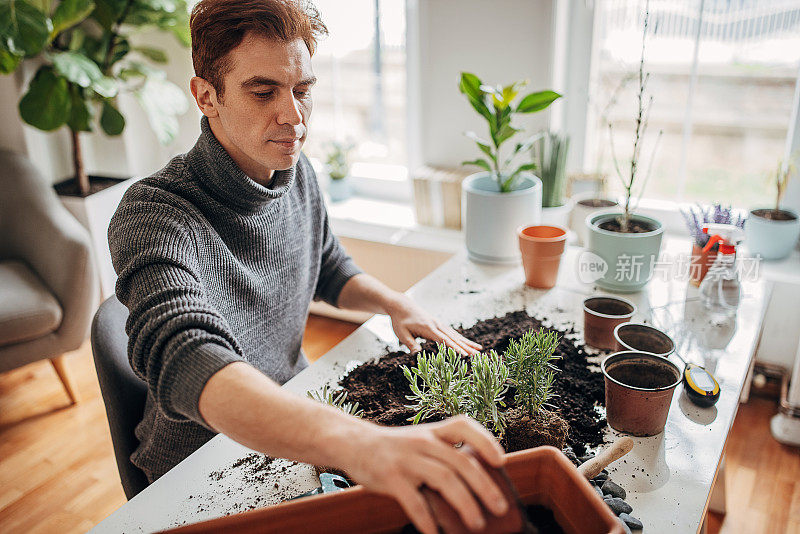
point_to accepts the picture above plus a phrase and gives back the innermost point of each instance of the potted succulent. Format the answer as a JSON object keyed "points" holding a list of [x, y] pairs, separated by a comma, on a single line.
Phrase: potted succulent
{"points": [[626, 241], [549, 154], [502, 197], [772, 232], [338, 167], [697, 218], [75, 57]]}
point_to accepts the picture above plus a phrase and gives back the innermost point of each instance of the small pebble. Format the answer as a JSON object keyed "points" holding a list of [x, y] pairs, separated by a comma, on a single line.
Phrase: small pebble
{"points": [[601, 477], [625, 528], [631, 521], [612, 488], [599, 491], [586, 458], [618, 506]]}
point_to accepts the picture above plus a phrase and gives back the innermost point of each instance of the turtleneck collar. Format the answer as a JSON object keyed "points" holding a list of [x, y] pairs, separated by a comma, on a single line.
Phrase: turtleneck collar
{"points": [[218, 172]]}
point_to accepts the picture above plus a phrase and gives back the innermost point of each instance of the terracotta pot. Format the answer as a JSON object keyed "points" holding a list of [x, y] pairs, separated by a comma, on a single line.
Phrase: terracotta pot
{"points": [[541, 248], [700, 263], [639, 388], [600, 316], [541, 476], [644, 338]]}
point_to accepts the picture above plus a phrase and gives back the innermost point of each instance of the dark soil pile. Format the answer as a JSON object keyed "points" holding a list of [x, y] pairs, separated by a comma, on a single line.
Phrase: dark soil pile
{"points": [[380, 387], [634, 227]]}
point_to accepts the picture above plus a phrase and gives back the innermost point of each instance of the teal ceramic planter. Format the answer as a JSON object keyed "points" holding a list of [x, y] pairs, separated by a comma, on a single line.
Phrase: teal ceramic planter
{"points": [[340, 189], [771, 239], [629, 258]]}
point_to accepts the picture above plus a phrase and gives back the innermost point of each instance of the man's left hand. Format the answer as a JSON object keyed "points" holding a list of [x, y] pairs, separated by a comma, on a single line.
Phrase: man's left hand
{"points": [[409, 322]]}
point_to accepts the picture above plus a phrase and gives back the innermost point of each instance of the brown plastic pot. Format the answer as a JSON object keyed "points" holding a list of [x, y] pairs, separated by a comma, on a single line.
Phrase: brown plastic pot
{"points": [[541, 248], [644, 338], [600, 316], [541, 476], [639, 389]]}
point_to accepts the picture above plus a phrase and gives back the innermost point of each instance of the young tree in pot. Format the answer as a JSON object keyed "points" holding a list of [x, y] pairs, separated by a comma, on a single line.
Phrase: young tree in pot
{"points": [[772, 232], [504, 196], [628, 242], [86, 59], [338, 167]]}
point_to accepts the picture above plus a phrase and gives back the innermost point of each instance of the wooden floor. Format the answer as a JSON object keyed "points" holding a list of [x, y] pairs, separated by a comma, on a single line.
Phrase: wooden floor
{"points": [[57, 469]]}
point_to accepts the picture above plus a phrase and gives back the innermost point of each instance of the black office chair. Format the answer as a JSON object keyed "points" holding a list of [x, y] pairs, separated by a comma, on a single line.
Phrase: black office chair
{"points": [[124, 393]]}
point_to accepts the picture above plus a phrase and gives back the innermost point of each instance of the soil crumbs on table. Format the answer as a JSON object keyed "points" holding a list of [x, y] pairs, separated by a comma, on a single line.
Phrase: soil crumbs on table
{"points": [[380, 388]]}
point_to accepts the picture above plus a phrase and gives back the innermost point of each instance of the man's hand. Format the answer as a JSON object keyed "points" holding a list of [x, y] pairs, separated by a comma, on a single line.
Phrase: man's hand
{"points": [[399, 461], [409, 322]]}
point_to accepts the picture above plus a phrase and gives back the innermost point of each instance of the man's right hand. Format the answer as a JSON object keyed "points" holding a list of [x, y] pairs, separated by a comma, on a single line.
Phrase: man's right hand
{"points": [[398, 461]]}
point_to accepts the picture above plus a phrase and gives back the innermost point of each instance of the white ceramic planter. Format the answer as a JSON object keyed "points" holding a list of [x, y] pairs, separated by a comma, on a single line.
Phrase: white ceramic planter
{"points": [[584, 205], [772, 240], [491, 218], [558, 215], [94, 212], [629, 259]]}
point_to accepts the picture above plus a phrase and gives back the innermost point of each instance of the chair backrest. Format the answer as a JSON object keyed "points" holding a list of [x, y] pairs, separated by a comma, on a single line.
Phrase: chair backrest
{"points": [[124, 393]]}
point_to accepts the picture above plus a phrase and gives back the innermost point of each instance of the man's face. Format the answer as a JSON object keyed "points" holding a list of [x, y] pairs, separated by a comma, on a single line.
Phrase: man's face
{"points": [[264, 108]]}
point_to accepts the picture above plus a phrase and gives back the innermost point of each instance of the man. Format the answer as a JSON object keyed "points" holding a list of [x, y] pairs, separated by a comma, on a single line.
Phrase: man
{"points": [[219, 255]]}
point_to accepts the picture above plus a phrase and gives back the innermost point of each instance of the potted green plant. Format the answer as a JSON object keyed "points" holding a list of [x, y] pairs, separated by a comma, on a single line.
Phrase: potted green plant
{"points": [[772, 232], [75, 58], [503, 196], [549, 154], [338, 167], [626, 241]]}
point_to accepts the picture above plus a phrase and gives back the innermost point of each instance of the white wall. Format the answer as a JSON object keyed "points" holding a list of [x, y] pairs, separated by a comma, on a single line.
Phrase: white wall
{"points": [[501, 41]]}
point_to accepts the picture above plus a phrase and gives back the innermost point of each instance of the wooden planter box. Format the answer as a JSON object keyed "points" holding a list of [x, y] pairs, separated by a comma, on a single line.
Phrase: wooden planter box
{"points": [[542, 476]]}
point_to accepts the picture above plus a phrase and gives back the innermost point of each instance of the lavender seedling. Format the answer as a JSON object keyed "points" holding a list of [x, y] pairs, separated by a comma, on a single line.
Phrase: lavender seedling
{"points": [[699, 215], [338, 401], [487, 386], [530, 368], [438, 382]]}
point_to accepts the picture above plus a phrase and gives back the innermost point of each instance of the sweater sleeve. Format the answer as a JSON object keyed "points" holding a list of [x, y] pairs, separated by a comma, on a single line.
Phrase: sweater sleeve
{"points": [[177, 341], [336, 266]]}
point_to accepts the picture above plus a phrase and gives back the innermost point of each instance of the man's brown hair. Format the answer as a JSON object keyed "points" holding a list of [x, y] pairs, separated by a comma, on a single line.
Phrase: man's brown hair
{"points": [[218, 26]]}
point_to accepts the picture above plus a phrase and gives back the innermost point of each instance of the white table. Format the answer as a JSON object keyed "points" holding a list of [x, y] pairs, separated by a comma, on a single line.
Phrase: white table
{"points": [[669, 477]]}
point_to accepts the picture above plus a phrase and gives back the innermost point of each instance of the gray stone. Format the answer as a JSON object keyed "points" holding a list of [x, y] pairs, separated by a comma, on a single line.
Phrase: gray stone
{"points": [[601, 477], [625, 528], [586, 457], [610, 487], [599, 491], [631, 521], [618, 506]]}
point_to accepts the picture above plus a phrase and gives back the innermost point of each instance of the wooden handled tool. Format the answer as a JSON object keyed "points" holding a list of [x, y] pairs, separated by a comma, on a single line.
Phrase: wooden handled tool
{"points": [[617, 450]]}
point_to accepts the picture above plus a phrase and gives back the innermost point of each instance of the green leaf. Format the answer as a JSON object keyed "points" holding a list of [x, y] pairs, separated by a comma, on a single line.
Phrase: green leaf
{"points": [[505, 133], [537, 101], [470, 86], [84, 72], [162, 101], [120, 50], [8, 61], [106, 12], [111, 120], [24, 29], [47, 103], [153, 54], [480, 162], [80, 116], [69, 13]]}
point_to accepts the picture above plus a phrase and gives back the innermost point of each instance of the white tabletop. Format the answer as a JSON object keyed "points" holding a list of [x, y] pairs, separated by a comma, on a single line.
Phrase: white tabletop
{"points": [[668, 477]]}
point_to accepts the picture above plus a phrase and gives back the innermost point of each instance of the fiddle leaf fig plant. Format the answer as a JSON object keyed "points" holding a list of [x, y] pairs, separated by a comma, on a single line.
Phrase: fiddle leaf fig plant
{"points": [[496, 105], [85, 58]]}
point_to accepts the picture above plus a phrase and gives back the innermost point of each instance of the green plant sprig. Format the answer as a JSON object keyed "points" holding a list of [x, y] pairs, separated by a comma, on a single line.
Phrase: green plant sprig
{"points": [[495, 104], [486, 389], [438, 382], [531, 370], [338, 401]]}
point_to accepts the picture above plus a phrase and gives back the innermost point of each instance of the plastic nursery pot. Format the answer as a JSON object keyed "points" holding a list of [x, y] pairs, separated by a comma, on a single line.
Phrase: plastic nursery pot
{"points": [[600, 316], [541, 248], [542, 476], [644, 338], [639, 389]]}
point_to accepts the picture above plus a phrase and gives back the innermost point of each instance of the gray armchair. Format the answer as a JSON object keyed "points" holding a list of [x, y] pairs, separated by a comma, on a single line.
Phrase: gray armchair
{"points": [[48, 287]]}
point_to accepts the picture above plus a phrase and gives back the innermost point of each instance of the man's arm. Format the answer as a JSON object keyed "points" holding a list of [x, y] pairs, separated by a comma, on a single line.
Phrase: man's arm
{"points": [[366, 293], [244, 404]]}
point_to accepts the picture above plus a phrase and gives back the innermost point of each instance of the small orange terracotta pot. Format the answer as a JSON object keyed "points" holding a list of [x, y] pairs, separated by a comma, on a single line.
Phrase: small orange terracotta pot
{"points": [[601, 315], [700, 263], [541, 248], [639, 389]]}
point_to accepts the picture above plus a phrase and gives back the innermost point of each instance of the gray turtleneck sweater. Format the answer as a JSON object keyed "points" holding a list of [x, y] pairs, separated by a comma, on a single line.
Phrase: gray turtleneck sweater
{"points": [[214, 268]]}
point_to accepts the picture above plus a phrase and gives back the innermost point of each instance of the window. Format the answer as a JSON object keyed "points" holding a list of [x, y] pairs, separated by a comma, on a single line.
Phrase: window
{"points": [[361, 93], [723, 75]]}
